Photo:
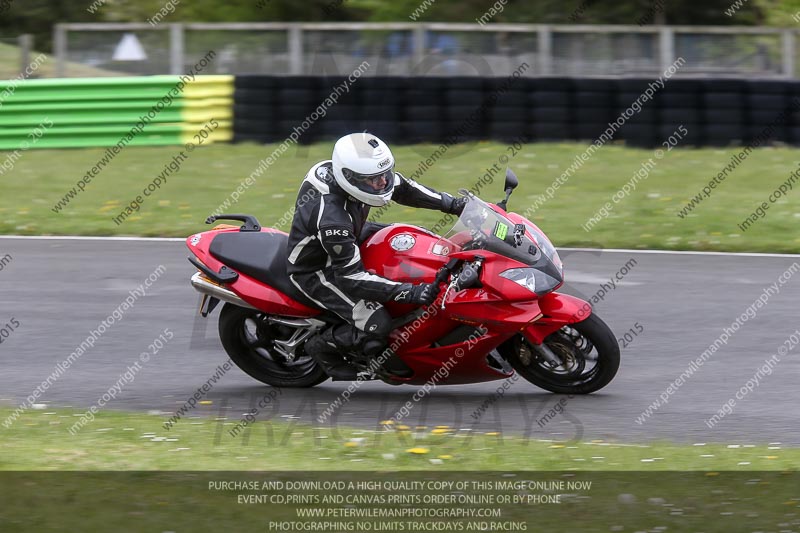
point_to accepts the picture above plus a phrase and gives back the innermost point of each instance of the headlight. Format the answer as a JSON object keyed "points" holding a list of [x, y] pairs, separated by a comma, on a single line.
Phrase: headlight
{"points": [[532, 279], [524, 277]]}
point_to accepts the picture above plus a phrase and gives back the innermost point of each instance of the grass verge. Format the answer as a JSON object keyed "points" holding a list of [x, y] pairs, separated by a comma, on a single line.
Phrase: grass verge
{"points": [[40, 440], [10, 65], [647, 218], [124, 472]]}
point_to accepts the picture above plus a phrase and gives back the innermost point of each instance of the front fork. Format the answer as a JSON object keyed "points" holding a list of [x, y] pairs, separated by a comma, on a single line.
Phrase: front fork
{"points": [[547, 354]]}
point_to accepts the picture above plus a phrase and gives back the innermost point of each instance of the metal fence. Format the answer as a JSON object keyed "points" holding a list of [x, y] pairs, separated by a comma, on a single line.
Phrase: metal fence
{"points": [[15, 55], [433, 49]]}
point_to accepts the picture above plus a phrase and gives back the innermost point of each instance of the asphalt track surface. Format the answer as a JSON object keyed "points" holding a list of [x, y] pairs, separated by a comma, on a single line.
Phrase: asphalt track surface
{"points": [[60, 289]]}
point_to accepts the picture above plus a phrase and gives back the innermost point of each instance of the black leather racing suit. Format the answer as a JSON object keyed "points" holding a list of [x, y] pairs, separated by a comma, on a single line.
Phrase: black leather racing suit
{"points": [[324, 259]]}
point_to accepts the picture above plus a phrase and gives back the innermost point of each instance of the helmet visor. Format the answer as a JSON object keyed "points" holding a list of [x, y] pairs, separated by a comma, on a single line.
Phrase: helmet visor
{"points": [[377, 184]]}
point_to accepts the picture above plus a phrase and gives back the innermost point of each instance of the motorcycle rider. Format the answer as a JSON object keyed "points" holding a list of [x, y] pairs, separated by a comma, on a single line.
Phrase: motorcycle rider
{"points": [[324, 261]]}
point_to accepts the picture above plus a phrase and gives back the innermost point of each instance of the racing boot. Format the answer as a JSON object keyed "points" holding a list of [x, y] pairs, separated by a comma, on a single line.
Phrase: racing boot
{"points": [[382, 359], [326, 351]]}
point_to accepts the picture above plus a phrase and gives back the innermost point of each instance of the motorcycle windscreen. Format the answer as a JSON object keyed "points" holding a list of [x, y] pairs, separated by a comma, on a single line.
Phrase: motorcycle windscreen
{"points": [[482, 228]]}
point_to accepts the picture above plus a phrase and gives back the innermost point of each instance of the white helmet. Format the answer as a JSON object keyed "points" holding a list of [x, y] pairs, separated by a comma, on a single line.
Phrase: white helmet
{"points": [[364, 168]]}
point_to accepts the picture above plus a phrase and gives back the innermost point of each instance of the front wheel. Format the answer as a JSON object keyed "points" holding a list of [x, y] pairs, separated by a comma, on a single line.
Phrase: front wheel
{"points": [[587, 356], [249, 338]]}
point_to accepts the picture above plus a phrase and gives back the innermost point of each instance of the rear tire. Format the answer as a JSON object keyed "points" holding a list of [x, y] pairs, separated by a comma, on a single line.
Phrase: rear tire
{"points": [[248, 340], [577, 345]]}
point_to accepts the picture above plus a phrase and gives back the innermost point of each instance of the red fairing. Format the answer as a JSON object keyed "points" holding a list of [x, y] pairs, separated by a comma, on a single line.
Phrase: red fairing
{"points": [[558, 310], [254, 292], [199, 242], [262, 296], [564, 309], [454, 365], [476, 306]]}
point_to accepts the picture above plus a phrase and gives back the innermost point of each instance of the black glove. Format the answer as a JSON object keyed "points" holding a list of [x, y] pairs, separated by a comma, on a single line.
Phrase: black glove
{"points": [[422, 294], [452, 205]]}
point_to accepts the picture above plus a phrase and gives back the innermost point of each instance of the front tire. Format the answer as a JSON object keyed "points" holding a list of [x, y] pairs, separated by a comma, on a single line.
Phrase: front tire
{"points": [[248, 339], [587, 350]]}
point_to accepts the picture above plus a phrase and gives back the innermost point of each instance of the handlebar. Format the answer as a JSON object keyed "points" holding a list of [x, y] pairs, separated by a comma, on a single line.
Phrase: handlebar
{"points": [[444, 272], [467, 277]]}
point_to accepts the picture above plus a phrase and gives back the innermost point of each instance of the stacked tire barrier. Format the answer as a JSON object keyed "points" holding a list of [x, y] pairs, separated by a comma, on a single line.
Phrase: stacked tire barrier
{"points": [[99, 112], [170, 109], [715, 112]]}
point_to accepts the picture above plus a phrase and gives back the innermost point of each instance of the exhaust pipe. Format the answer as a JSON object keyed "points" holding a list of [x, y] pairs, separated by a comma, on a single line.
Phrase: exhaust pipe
{"points": [[204, 286]]}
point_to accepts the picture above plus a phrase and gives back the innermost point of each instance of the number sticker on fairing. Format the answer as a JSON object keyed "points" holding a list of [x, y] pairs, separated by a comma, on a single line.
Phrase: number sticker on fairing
{"points": [[500, 230]]}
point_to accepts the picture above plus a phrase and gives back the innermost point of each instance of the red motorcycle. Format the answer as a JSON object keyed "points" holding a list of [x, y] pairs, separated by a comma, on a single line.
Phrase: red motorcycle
{"points": [[499, 312]]}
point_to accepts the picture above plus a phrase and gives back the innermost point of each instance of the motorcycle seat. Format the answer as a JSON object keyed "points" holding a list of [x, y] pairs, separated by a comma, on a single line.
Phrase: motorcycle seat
{"points": [[262, 256]]}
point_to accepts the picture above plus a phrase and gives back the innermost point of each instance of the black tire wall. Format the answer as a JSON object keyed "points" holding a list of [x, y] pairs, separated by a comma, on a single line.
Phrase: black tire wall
{"points": [[403, 110]]}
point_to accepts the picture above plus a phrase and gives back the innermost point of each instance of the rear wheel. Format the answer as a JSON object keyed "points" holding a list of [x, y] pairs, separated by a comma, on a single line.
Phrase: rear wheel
{"points": [[249, 339], [587, 352]]}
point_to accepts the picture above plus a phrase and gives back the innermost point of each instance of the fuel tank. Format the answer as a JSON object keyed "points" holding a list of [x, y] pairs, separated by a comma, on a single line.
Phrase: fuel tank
{"points": [[405, 253]]}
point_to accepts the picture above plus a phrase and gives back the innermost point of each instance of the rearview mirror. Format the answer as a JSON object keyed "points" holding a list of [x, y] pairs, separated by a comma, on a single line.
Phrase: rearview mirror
{"points": [[511, 184], [511, 180]]}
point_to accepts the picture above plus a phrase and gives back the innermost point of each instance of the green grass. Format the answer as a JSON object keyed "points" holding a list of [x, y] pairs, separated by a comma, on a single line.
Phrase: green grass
{"points": [[186, 501], [10, 65], [123, 471], [646, 219], [40, 440]]}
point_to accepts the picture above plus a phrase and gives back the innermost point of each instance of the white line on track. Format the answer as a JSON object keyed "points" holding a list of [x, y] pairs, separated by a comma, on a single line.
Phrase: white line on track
{"points": [[594, 250], [678, 252]]}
